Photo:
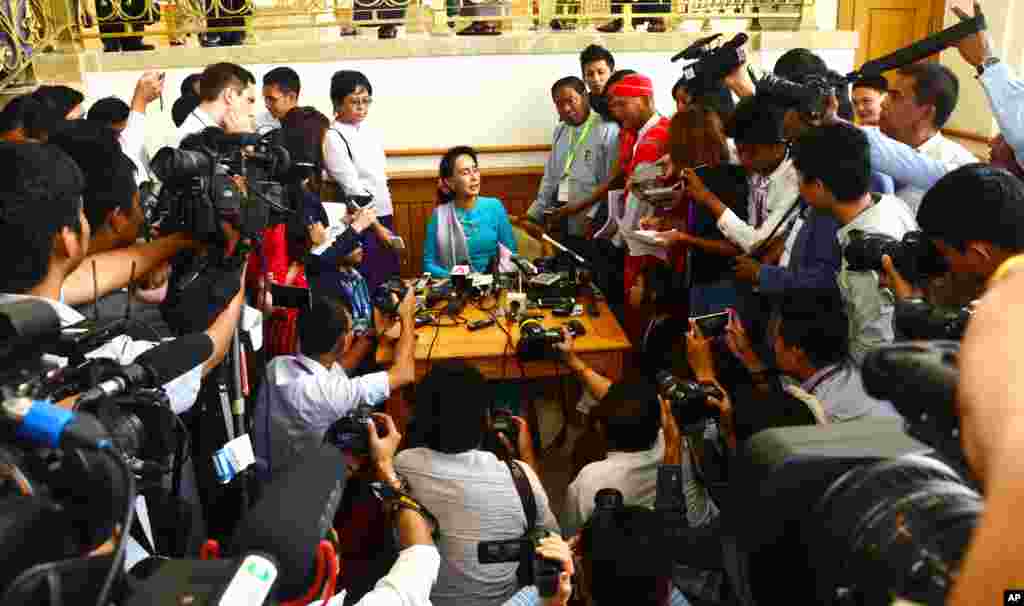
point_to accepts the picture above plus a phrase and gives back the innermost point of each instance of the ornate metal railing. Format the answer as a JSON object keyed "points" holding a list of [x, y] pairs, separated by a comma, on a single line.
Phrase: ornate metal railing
{"points": [[28, 27], [439, 17]]}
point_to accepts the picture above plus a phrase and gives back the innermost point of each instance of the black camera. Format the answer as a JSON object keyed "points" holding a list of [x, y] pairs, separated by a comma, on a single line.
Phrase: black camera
{"points": [[502, 423], [712, 63], [350, 433], [809, 95], [535, 341], [388, 296], [915, 257], [689, 399], [199, 189], [535, 570], [917, 319]]}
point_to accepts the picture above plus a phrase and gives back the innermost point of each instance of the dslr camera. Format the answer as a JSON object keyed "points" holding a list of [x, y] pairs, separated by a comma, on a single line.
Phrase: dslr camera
{"points": [[502, 423], [388, 296], [350, 433], [918, 319], [534, 570], [689, 399], [914, 257], [712, 63], [536, 342], [199, 189]]}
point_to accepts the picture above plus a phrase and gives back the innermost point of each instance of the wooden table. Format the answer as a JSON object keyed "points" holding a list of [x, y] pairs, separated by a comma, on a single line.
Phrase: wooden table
{"points": [[604, 348]]}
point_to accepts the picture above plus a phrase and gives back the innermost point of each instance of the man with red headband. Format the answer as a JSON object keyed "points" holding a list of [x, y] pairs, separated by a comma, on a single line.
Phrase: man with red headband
{"points": [[631, 101]]}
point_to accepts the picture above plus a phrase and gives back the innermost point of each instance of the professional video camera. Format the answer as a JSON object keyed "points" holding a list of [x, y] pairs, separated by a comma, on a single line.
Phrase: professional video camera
{"points": [[809, 95], [915, 257], [712, 63], [689, 399], [350, 432], [199, 186], [535, 341], [534, 570], [388, 296]]}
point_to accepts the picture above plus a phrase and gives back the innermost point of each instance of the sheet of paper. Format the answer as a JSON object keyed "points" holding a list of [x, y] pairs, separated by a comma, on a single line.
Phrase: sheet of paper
{"points": [[611, 226], [336, 212]]}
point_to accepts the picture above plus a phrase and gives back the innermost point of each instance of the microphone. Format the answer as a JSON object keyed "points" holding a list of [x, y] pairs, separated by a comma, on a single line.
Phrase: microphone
{"points": [[295, 513], [155, 367], [525, 266], [921, 49], [48, 425], [562, 248]]}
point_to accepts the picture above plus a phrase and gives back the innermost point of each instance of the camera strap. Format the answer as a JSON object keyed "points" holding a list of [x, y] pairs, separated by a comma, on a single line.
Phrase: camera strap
{"points": [[347, 146], [786, 218], [525, 493]]}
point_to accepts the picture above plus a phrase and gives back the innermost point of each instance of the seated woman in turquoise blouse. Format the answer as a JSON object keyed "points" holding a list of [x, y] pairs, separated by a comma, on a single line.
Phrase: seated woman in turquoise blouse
{"points": [[464, 227]]}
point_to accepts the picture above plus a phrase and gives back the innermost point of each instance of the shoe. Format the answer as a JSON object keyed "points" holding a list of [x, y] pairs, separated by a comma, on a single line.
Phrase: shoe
{"points": [[347, 30], [656, 26], [112, 45], [612, 27], [138, 46], [387, 32], [480, 28]]}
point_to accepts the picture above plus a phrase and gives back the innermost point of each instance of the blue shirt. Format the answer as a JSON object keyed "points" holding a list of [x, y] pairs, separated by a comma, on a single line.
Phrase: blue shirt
{"points": [[814, 262], [902, 162], [486, 224], [1006, 97]]}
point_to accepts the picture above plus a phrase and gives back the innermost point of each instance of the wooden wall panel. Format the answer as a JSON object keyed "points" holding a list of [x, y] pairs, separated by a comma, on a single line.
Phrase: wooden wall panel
{"points": [[414, 195]]}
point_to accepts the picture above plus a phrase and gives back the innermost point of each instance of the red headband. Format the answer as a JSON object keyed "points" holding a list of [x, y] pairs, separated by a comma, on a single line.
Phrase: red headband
{"points": [[633, 85]]}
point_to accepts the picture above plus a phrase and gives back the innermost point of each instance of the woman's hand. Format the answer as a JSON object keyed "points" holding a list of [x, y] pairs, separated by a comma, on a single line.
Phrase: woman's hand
{"points": [[695, 187], [739, 344], [699, 354], [317, 233], [363, 218]]}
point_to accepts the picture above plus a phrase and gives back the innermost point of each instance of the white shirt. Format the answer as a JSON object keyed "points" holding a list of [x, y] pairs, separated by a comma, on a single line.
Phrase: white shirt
{"points": [[298, 402], [870, 308], [783, 188], [182, 391], [266, 122], [133, 144], [362, 172], [474, 498], [634, 474], [409, 581], [938, 148], [196, 122]]}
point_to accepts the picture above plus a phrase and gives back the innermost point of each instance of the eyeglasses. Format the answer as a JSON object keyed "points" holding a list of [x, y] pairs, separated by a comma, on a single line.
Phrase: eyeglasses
{"points": [[360, 102]]}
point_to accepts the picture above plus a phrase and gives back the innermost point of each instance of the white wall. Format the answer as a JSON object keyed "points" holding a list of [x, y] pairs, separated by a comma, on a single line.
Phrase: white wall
{"points": [[439, 102]]}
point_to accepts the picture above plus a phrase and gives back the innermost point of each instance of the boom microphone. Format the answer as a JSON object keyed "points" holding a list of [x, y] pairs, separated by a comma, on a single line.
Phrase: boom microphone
{"points": [[153, 368], [295, 513], [921, 49]]}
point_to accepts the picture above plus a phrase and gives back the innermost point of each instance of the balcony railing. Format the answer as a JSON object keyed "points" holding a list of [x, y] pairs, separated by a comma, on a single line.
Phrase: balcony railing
{"points": [[28, 27], [175, 18]]}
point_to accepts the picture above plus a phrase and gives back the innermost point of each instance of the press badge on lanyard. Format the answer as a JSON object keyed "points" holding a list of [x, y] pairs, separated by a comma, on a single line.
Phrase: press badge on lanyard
{"points": [[564, 184]]}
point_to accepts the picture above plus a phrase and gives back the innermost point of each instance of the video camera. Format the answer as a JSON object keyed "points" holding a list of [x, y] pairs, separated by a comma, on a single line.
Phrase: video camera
{"points": [[712, 63], [917, 319], [350, 433], [689, 399], [914, 257], [388, 296], [534, 569], [199, 189], [536, 342], [809, 95]]}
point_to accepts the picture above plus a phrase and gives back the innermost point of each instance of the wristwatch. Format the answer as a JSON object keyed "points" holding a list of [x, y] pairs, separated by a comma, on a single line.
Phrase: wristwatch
{"points": [[395, 500], [987, 63]]}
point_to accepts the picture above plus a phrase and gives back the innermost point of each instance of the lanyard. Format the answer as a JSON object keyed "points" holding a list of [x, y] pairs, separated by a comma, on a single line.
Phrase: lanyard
{"points": [[824, 377], [575, 143]]}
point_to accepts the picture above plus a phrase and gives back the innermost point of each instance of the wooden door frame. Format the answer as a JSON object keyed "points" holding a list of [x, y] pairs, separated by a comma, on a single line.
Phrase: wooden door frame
{"points": [[846, 15]]}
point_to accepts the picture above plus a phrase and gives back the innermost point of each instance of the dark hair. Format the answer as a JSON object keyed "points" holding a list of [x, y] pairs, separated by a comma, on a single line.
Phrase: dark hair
{"points": [[878, 83], [757, 120], [40, 194], [697, 136], [183, 106], [796, 63], [219, 76], [447, 168], [607, 585], [995, 214], [27, 113], [569, 82], [345, 82], [109, 174], [451, 406], [58, 99], [302, 134], [284, 78], [839, 156], [934, 84], [714, 95], [320, 326], [595, 53], [108, 111], [631, 413], [189, 83], [815, 322]]}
